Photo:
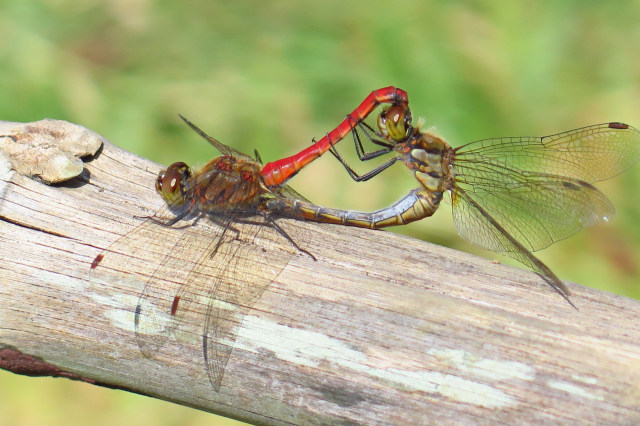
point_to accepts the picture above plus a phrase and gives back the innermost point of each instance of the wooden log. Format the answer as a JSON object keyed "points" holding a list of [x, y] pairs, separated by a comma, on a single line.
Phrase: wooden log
{"points": [[379, 328]]}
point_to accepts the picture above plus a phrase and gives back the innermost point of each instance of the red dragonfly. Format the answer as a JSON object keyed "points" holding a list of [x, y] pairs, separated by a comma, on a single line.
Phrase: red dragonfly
{"points": [[211, 252], [278, 172], [512, 195]]}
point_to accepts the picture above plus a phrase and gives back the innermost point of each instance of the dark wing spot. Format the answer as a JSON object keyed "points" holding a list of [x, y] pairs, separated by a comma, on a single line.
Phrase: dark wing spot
{"points": [[577, 185], [205, 340], [174, 305], [570, 185], [616, 125], [97, 261], [137, 316]]}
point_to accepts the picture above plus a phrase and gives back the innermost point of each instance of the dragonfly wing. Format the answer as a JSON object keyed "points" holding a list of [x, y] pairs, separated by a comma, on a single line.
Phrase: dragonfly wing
{"points": [[590, 154], [237, 274], [224, 149], [534, 208], [473, 222], [288, 192], [144, 254], [175, 285], [218, 341]]}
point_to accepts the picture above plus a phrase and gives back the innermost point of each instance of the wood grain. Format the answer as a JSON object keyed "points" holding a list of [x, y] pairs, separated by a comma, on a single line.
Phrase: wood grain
{"points": [[380, 329]]}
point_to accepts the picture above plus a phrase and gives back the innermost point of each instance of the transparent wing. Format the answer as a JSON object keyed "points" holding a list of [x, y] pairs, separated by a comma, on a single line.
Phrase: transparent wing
{"points": [[288, 192], [224, 149], [165, 258], [538, 189], [537, 210], [175, 285], [249, 264], [591, 153], [468, 214], [202, 275]]}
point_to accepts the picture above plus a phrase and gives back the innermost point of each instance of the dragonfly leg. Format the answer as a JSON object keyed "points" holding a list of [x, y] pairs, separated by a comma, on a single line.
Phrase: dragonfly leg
{"points": [[363, 155], [284, 233], [373, 136], [365, 177], [163, 222]]}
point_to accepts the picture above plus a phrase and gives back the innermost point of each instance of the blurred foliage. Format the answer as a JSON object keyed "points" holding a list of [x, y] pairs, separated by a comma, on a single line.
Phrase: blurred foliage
{"points": [[273, 75]]}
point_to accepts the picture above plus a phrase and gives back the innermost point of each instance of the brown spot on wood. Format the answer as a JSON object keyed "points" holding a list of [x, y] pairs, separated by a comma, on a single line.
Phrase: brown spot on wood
{"points": [[27, 365]]}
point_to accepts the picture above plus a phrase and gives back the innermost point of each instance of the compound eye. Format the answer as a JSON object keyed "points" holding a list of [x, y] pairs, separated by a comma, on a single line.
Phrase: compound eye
{"points": [[171, 183], [395, 122]]}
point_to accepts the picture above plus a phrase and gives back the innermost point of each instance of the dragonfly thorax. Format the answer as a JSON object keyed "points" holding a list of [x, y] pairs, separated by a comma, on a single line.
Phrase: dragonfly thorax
{"points": [[226, 183], [426, 157]]}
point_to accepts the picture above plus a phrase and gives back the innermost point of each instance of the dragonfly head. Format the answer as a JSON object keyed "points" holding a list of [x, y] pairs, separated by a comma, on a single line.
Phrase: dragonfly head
{"points": [[171, 183], [395, 123]]}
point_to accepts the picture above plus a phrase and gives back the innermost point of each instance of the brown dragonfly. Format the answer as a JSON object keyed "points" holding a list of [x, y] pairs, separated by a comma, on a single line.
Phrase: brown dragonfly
{"points": [[209, 254], [512, 195]]}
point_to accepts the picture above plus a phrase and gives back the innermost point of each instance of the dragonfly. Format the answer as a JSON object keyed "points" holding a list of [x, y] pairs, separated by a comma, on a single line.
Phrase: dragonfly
{"points": [[212, 250], [511, 195]]}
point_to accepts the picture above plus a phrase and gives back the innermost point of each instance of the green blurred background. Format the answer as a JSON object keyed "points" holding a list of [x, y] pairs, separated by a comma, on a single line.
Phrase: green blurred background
{"points": [[273, 75]]}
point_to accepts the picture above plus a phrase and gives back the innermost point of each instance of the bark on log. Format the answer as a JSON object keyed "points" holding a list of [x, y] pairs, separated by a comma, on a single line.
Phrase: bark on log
{"points": [[381, 328]]}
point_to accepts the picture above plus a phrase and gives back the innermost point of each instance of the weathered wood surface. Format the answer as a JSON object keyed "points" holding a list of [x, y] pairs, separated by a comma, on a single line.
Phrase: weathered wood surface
{"points": [[381, 328]]}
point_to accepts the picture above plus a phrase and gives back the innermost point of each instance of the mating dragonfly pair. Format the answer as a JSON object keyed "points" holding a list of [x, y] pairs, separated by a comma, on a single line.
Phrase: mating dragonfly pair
{"points": [[513, 195]]}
